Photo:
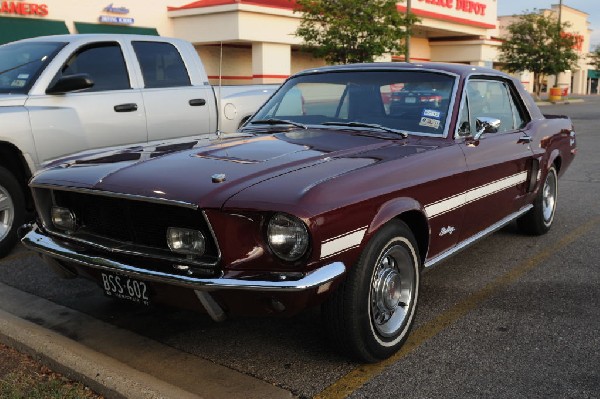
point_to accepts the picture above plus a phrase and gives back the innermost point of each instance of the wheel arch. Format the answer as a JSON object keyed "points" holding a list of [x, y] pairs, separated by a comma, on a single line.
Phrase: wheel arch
{"points": [[555, 159], [410, 212], [12, 159]]}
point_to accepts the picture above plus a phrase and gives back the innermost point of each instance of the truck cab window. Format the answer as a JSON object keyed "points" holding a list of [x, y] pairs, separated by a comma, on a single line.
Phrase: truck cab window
{"points": [[161, 64], [105, 65]]}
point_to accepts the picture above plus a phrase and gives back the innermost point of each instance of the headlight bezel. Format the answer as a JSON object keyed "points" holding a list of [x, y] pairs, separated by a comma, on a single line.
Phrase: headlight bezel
{"points": [[298, 250]]}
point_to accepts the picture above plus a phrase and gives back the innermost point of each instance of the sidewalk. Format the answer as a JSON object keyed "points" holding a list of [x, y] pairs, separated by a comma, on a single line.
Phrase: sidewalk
{"points": [[114, 362]]}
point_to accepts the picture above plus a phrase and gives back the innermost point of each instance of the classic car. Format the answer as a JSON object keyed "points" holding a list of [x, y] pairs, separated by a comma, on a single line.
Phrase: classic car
{"points": [[325, 197]]}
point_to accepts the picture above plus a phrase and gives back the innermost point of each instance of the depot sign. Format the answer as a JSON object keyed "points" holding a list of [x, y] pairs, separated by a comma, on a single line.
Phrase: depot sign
{"points": [[22, 8], [468, 6]]}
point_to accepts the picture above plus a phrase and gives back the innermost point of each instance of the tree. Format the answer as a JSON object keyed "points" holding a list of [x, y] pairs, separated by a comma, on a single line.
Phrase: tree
{"points": [[345, 31], [537, 44], [594, 58]]}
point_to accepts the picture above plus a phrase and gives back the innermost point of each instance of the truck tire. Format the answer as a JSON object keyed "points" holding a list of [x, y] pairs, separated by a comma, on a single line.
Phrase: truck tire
{"points": [[12, 210]]}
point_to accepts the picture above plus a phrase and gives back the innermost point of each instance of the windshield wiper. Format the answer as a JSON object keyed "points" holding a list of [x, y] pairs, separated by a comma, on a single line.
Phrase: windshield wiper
{"points": [[272, 121], [371, 125]]}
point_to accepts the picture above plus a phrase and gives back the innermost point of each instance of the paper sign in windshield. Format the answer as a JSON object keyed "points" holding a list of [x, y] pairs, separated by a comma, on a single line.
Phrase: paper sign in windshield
{"points": [[429, 122], [431, 113]]}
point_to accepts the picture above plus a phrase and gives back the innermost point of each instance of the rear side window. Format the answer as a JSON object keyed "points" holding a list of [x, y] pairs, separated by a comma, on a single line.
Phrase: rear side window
{"points": [[162, 65], [103, 62]]}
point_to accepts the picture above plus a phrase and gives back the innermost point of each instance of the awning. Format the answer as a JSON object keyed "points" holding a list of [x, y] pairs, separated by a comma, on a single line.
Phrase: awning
{"points": [[593, 74], [12, 28], [84, 27]]}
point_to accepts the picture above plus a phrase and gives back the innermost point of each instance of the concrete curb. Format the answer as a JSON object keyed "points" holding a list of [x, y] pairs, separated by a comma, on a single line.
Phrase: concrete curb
{"points": [[101, 373], [115, 362]]}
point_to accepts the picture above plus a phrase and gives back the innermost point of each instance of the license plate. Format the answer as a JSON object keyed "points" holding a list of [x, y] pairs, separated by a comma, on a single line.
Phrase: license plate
{"points": [[123, 287]]}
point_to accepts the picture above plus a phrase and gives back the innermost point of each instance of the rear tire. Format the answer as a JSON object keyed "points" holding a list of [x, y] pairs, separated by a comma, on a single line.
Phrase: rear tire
{"points": [[539, 219], [12, 210], [371, 313]]}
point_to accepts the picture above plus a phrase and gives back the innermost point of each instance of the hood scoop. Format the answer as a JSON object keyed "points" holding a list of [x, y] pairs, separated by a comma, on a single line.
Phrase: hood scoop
{"points": [[252, 151]]}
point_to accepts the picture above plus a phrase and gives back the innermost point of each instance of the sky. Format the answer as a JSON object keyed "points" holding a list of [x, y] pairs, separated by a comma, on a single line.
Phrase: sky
{"points": [[591, 7]]}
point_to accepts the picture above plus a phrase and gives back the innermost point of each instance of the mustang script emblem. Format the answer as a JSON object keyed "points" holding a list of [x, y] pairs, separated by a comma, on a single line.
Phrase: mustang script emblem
{"points": [[447, 230]]}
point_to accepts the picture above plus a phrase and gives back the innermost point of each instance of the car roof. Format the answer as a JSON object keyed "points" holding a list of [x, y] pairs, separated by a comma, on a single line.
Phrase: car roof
{"points": [[457, 69]]}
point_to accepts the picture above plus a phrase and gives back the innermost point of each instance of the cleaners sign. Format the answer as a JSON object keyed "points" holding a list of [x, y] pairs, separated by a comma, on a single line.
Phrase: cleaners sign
{"points": [[22, 8]]}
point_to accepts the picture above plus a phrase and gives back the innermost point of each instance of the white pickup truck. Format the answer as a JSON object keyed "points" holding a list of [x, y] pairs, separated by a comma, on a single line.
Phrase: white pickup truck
{"points": [[64, 94]]}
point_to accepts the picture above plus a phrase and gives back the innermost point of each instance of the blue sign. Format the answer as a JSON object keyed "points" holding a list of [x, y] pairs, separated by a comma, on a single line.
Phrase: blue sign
{"points": [[116, 20]]}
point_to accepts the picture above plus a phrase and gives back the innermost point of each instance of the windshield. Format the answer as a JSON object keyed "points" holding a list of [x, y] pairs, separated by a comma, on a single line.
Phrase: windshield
{"points": [[21, 63], [412, 101]]}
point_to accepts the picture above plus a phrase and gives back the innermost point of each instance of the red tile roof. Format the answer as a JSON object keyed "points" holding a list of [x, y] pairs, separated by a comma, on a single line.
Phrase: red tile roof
{"points": [[287, 4]]}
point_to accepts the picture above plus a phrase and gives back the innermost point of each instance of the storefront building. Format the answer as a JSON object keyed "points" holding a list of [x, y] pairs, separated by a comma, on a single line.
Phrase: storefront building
{"points": [[575, 81], [253, 41]]}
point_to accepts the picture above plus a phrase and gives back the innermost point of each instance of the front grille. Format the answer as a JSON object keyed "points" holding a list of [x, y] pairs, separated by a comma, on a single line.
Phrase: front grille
{"points": [[133, 222]]}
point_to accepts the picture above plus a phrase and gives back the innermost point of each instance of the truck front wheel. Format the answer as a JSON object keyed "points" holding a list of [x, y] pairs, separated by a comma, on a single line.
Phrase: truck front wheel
{"points": [[12, 210]]}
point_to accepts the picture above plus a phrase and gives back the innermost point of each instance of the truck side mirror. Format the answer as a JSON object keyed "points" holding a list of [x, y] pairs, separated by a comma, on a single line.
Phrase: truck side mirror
{"points": [[70, 83]]}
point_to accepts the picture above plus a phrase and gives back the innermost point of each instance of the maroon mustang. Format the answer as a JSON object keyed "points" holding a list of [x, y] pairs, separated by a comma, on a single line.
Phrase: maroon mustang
{"points": [[345, 186]]}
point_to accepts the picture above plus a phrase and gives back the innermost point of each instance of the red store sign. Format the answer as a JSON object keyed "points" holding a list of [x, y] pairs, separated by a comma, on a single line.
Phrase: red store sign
{"points": [[471, 7], [21, 8]]}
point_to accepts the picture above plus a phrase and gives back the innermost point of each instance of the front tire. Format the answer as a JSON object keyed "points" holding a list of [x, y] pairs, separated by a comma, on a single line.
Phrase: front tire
{"points": [[539, 219], [12, 210], [370, 315]]}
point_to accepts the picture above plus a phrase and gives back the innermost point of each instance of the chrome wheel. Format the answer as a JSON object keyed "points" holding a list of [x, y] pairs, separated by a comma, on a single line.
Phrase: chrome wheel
{"points": [[7, 212], [392, 291], [549, 197]]}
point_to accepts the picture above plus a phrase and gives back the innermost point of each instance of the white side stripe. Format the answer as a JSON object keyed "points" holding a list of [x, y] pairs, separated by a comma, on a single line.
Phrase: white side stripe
{"points": [[456, 201], [342, 243]]}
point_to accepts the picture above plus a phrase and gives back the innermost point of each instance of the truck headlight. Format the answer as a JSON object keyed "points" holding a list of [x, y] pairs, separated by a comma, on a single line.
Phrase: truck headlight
{"points": [[287, 237], [186, 241], [63, 218]]}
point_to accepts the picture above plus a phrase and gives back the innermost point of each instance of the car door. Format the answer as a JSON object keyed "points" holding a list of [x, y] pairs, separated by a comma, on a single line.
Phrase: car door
{"points": [[174, 107], [498, 163], [109, 113]]}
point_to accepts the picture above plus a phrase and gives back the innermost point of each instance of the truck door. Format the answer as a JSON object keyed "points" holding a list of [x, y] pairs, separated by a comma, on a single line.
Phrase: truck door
{"points": [[174, 107], [109, 113], [499, 163]]}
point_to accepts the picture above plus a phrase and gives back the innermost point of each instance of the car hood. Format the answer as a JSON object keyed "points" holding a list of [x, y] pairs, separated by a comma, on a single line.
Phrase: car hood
{"points": [[206, 173], [12, 100]]}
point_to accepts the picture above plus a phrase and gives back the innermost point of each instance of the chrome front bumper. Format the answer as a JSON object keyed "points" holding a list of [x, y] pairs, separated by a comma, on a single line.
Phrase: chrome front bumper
{"points": [[37, 241]]}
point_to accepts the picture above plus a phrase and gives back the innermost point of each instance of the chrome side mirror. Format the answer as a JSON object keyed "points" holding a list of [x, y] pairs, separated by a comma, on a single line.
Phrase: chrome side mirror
{"points": [[485, 124]]}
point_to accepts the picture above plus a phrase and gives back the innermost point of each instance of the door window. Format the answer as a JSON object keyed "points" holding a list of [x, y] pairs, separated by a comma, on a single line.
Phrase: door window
{"points": [[103, 62], [162, 65], [488, 98]]}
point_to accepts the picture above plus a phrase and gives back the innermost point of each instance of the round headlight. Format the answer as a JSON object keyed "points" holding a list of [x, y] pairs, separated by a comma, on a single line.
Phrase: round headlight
{"points": [[63, 218], [186, 241], [287, 236]]}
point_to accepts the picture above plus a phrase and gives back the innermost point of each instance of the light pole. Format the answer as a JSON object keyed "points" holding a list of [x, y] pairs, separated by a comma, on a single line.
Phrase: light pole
{"points": [[408, 27]]}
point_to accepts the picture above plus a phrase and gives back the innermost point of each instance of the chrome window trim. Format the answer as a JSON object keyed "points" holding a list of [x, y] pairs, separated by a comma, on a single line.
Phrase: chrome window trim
{"points": [[450, 112]]}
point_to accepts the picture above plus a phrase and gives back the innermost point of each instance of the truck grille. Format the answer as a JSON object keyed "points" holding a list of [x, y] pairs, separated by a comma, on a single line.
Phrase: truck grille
{"points": [[135, 223]]}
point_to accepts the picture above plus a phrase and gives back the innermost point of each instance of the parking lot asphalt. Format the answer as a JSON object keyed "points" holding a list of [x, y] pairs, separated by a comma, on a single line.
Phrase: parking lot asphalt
{"points": [[512, 316]]}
